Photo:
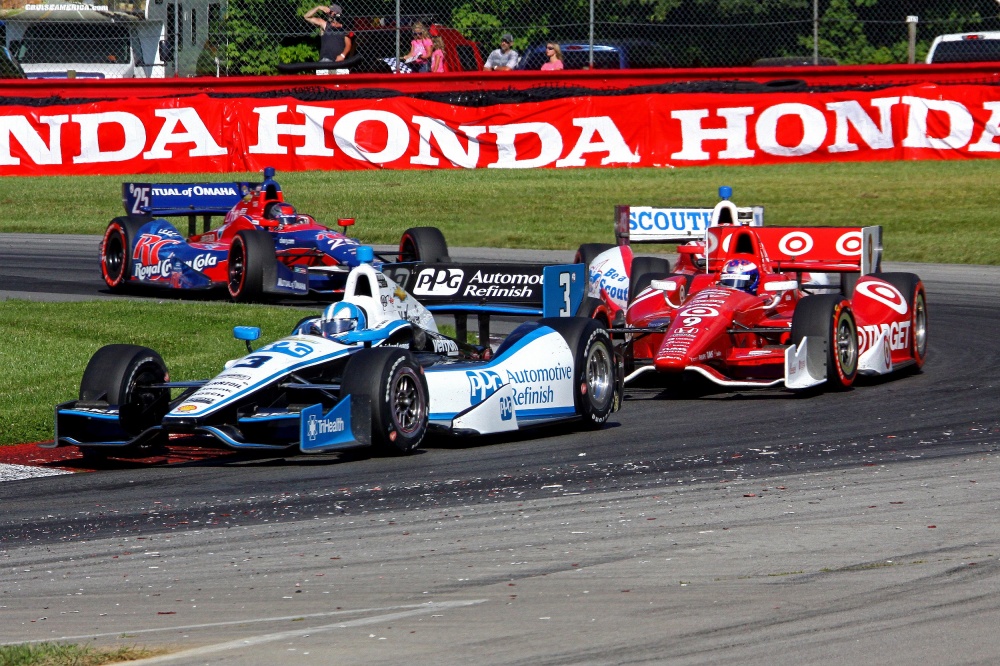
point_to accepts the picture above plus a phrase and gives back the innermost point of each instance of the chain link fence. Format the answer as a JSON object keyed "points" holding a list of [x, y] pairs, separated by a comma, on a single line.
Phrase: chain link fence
{"points": [[155, 38]]}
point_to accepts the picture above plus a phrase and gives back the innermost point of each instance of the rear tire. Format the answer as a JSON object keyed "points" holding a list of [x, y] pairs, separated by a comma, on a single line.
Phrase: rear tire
{"points": [[394, 382], [116, 250], [829, 318], [250, 256], [121, 375], [424, 244], [645, 270], [912, 289], [596, 385], [588, 252]]}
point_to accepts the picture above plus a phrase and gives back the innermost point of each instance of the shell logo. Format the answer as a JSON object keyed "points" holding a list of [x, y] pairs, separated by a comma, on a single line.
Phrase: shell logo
{"points": [[187, 408]]}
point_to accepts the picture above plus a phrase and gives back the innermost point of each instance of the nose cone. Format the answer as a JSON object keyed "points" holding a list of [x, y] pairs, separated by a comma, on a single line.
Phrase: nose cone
{"points": [[698, 332]]}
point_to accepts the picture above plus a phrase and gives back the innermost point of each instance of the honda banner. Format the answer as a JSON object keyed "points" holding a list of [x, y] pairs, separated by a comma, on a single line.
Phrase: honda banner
{"points": [[207, 134]]}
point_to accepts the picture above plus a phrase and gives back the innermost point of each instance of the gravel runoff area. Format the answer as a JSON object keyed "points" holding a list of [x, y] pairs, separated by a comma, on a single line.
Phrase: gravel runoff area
{"points": [[18, 472]]}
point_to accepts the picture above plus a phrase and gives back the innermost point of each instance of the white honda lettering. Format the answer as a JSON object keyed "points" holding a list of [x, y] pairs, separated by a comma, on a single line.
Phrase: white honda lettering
{"points": [[813, 129], [345, 133], [960, 124], [269, 129], [988, 139], [90, 147], [694, 135], [195, 132], [447, 142], [612, 142], [31, 141], [850, 114], [549, 137]]}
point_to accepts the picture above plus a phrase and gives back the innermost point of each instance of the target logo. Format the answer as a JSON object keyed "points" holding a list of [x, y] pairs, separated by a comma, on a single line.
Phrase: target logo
{"points": [[884, 293], [795, 243], [850, 243]]}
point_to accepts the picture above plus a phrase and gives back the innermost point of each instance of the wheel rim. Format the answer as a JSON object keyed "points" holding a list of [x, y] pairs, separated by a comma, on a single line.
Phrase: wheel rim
{"points": [[407, 250], [598, 375], [114, 256], [920, 326], [407, 402], [847, 345], [237, 265]]}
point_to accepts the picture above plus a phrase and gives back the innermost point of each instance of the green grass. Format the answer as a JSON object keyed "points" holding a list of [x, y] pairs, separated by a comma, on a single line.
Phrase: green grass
{"points": [[932, 211], [46, 347], [55, 654]]}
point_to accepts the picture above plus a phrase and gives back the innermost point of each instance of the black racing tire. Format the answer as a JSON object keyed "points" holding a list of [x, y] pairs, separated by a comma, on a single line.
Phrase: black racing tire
{"points": [[395, 383], [116, 249], [587, 252], [595, 385], [645, 270], [251, 256], [121, 375], [424, 244], [594, 308], [912, 289], [829, 317]]}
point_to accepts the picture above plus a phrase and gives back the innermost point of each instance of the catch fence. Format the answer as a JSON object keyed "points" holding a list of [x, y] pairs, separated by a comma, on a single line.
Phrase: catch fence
{"points": [[253, 37]]}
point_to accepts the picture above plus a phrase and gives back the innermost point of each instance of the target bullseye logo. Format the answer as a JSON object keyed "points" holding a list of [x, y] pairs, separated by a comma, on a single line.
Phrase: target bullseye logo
{"points": [[795, 243], [884, 293], [850, 243]]}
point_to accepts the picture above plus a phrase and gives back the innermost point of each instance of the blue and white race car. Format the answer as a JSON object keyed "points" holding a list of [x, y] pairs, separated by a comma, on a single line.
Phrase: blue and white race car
{"points": [[372, 370]]}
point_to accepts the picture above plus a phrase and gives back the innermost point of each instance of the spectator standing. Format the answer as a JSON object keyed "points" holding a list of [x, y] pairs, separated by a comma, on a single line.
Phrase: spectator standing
{"points": [[555, 61], [437, 55], [504, 58], [420, 48], [335, 43]]}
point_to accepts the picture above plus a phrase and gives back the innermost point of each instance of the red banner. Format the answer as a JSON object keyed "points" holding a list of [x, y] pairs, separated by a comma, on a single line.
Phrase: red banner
{"points": [[204, 134]]}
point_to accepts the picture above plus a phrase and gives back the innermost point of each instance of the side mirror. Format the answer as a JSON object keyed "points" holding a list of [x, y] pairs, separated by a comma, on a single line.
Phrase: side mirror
{"points": [[246, 333], [345, 222], [783, 285], [166, 51]]}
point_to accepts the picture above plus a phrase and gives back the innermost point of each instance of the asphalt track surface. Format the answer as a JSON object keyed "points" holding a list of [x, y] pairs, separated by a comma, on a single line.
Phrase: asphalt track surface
{"points": [[697, 528]]}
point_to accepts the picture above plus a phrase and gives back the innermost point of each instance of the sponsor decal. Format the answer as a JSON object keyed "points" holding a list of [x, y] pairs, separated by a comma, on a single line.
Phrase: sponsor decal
{"points": [[884, 293], [502, 285], [445, 346], [850, 243], [482, 384], [533, 396], [795, 243], [291, 348], [898, 337], [317, 425], [187, 407], [195, 190], [663, 219], [536, 375], [295, 285], [506, 408], [438, 282]]}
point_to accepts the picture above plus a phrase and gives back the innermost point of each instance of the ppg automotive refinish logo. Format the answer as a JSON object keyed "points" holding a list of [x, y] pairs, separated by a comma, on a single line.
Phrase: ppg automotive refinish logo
{"points": [[482, 384], [438, 282]]}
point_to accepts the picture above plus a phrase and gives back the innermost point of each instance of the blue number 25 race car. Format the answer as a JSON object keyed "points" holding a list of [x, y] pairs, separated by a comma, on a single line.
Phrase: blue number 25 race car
{"points": [[264, 246], [372, 370]]}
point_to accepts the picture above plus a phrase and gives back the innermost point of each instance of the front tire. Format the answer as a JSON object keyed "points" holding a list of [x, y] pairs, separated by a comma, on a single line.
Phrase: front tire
{"points": [[596, 384], [424, 244], [912, 289], [250, 256], [588, 252], [394, 382], [123, 375], [829, 318], [116, 250]]}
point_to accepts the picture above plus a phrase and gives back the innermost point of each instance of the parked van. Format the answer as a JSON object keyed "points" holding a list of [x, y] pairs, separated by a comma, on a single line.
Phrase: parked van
{"points": [[965, 47], [624, 54]]}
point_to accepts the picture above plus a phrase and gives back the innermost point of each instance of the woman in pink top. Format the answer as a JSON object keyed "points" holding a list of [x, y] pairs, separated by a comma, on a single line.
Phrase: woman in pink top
{"points": [[420, 48], [437, 55], [555, 58]]}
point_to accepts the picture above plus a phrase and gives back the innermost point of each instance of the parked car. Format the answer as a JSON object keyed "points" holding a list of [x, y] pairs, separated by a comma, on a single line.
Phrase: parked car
{"points": [[627, 54], [965, 47]]}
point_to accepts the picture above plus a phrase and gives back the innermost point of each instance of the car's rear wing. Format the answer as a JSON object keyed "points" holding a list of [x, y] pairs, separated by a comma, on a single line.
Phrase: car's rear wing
{"points": [[485, 290], [645, 224], [809, 249], [193, 199]]}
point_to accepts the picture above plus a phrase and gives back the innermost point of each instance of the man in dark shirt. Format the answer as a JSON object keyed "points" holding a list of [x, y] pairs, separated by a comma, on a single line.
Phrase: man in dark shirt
{"points": [[335, 42]]}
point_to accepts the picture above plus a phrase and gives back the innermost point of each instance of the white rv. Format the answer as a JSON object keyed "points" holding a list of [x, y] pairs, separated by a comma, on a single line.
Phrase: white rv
{"points": [[91, 41]]}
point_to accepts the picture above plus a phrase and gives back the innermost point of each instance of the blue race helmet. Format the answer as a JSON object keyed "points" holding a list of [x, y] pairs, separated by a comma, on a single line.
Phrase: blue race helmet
{"points": [[341, 318], [282, 213], [741, 274]]}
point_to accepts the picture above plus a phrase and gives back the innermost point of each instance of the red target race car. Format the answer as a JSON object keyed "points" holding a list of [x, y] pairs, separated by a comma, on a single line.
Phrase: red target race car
{"points": [[755, 306]]}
